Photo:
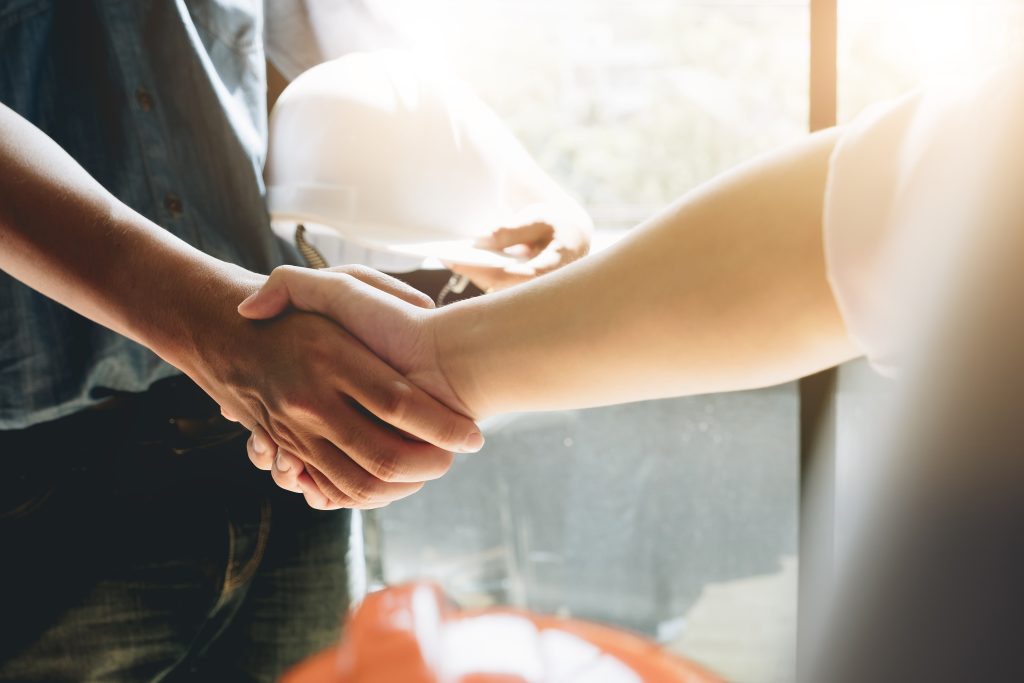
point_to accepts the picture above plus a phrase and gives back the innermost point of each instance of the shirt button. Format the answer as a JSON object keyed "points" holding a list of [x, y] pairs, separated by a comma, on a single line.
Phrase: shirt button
{"points": [[173, 204], [144, 99]]}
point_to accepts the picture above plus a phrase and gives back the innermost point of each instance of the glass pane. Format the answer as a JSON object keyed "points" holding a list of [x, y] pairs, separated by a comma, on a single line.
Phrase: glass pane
{"points": [[673, 518], [629, 104], [887, 47]]}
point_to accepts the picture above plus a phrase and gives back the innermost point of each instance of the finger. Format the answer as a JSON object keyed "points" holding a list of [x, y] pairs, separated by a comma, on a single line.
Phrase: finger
{"points": [[350, 302], [341, 481], [386, 283], [536, 235], [318, 291], [286, 471], [364, 311], [268, 301], [553, 257], [344, 298], [381, 451], [396, 401], [491, 279], [309, 480], [261, 448], [228, 415], [315, 498]]}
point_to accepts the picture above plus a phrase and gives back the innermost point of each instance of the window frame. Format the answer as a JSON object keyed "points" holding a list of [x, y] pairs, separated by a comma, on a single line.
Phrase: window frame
{"points": [[817, 393]]}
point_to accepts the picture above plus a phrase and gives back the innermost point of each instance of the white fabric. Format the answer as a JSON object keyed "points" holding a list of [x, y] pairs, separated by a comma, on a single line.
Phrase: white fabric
{"points": [[911, 185]]}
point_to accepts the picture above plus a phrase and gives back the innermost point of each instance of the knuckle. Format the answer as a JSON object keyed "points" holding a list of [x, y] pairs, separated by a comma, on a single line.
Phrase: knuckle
{"points": [[301, 406], [395, 401], [367, 491], [380, 461], [389, 467], [357, 269], [285, 272], [447, 432]]}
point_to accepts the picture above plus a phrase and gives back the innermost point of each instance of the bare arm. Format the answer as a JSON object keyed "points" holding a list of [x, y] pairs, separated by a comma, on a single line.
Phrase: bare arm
{"points": [[62, 234], [725, 290], [65, 236]]}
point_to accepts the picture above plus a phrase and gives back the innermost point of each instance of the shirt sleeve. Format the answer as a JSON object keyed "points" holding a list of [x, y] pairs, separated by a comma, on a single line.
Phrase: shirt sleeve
{"points": [[911, 184], [299, 34]]}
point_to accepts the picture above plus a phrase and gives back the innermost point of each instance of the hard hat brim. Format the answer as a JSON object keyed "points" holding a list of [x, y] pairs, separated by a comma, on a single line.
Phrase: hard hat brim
{"points": [[331, 210]]}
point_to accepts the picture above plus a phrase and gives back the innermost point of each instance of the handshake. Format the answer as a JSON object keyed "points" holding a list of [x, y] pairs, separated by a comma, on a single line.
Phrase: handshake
{"points": [[355, 389], [364, 407]]}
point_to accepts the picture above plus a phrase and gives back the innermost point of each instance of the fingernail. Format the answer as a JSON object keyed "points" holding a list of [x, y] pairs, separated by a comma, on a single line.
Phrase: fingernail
{"points": [[281, 464], [473, 443], [257, 445], [248, 298], [314, 498]]}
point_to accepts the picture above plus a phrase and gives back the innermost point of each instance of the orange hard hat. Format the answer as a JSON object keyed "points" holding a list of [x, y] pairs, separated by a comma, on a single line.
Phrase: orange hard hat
{"points": [[411, 634]]}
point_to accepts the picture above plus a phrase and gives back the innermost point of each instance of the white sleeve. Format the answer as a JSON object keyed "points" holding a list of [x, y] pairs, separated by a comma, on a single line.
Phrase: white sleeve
{"points": [[909, 184], [299, 34]]}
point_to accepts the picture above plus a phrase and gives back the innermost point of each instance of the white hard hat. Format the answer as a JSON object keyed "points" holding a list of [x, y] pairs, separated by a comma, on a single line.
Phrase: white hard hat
{"points": [[392, 153]]}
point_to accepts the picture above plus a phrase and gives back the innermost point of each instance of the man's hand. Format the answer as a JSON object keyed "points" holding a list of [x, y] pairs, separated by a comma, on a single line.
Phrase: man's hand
{"points": [[394, 327], [325, 399], [545, 248]]}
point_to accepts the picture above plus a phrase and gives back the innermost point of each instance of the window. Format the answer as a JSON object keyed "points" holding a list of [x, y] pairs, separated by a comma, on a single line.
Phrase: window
{"points": [[674, 518], [888, 47]]}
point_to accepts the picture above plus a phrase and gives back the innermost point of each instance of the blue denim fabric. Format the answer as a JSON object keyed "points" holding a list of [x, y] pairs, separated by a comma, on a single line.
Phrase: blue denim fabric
{"points": [[188, 567], [163, 102]]}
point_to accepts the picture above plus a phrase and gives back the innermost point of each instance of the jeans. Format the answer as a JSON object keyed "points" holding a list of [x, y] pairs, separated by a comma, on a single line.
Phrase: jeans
{"points": [[139, 547]]}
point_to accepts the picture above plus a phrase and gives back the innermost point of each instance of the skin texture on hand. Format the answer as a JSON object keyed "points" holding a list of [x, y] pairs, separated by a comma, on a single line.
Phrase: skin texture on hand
{"points": [[393, 327], [367, 434], [382, 309]]}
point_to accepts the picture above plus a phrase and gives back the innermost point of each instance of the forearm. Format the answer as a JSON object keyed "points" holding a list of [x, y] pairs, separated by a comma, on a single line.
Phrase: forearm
{"points": [[62, 234], [726, 290]]}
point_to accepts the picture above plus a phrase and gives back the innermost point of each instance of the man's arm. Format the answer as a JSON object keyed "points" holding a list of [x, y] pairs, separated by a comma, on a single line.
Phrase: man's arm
{"points": [[301, 377]]}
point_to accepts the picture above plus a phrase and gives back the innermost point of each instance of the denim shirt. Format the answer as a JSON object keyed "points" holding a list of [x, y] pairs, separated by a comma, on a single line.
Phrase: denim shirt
{"points": [[162, 102]]}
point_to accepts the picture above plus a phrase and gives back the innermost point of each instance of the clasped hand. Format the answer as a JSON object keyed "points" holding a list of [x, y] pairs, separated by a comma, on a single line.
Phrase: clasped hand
{"points": [[396, 421], [372, 459]]}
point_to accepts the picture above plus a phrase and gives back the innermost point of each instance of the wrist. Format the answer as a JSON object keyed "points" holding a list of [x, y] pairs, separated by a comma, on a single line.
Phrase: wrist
{"points": [[456, 331], [203, 321]]}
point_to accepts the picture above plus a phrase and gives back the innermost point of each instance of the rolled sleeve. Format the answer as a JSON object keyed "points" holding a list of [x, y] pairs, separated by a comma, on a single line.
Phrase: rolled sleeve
{"points": [[911, 189]]}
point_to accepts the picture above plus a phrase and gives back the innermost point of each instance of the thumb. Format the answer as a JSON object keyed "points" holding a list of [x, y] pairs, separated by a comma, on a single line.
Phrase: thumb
{"points": [[268, 301], [376, 317]]}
